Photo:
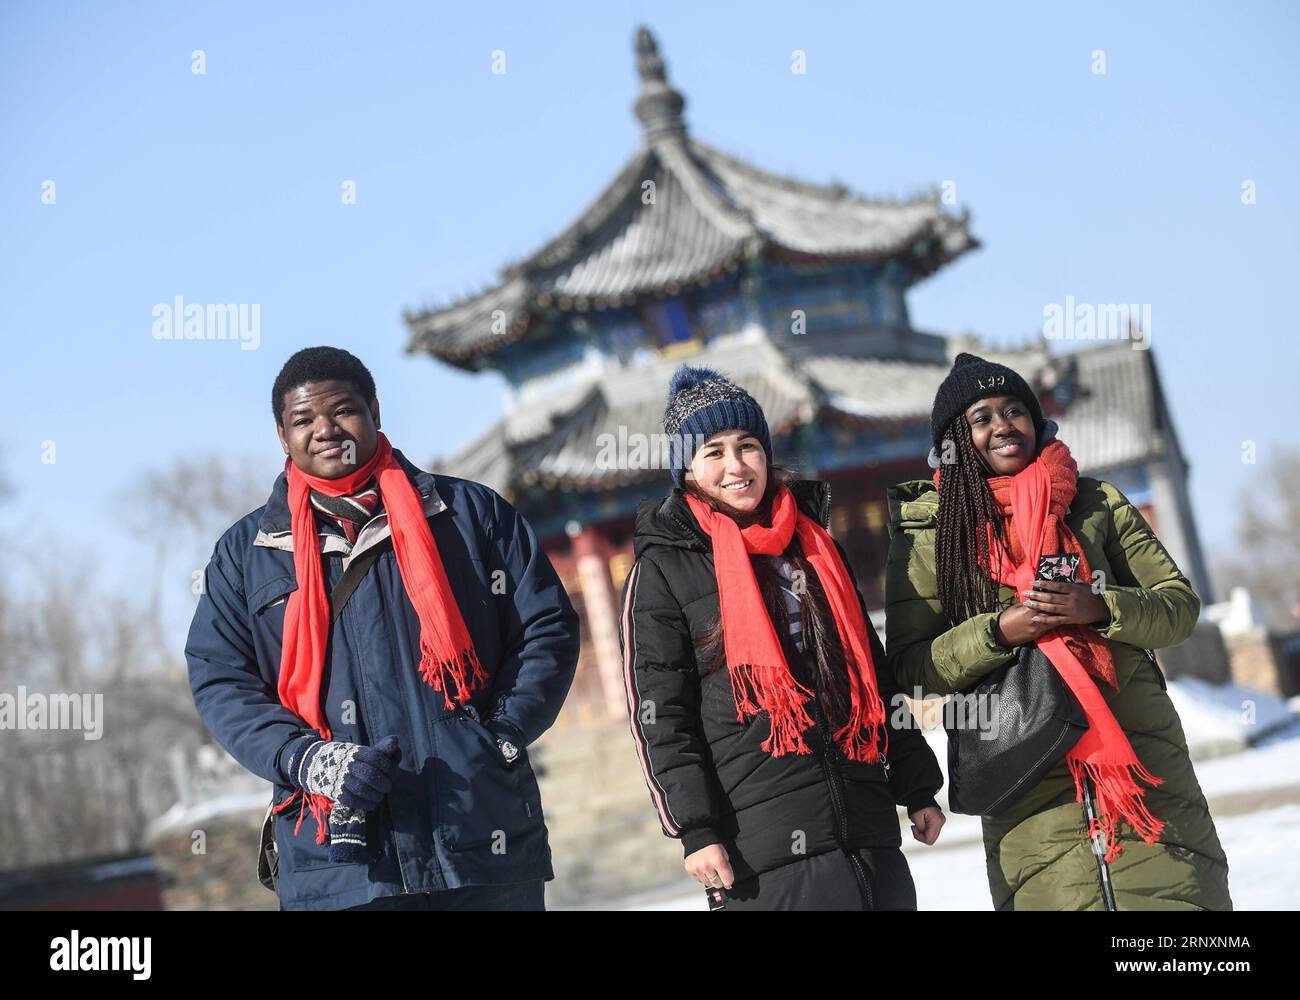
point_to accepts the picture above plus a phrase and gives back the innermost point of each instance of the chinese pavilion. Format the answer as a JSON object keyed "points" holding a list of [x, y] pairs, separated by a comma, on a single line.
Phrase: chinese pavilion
{"points": [[795, 290]]}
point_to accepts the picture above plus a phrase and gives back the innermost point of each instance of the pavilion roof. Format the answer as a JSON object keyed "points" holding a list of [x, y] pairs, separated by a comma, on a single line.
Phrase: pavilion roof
{"points": [[1107, 401], [709, 213]]}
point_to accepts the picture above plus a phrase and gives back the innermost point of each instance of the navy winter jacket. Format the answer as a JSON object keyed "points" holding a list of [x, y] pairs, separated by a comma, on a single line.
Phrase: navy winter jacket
{"points": [[457, 814]]}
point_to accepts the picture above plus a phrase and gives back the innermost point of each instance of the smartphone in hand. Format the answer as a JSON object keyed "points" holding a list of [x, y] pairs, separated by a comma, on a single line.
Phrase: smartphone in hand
{"points": [[1058, 566]]}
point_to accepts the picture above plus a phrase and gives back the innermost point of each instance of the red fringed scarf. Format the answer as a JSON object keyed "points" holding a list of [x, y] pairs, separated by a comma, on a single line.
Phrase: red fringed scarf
{"points": [[1034, 502], [760, 676], [448, 661]]}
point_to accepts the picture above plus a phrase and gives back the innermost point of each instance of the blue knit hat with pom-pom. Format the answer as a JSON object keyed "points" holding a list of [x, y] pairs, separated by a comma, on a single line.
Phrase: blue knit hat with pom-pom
{"points": [[704, 402]]}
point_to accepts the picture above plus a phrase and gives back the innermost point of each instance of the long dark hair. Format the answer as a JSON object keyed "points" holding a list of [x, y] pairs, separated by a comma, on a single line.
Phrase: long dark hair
{"points": [[961, 544], [824, 652]]}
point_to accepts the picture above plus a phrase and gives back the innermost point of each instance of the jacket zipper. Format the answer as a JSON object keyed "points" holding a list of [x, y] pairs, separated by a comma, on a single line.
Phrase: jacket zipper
{"points": [[694, 532], [833, 778], [392, 839], [392, 826], [831, 767]]}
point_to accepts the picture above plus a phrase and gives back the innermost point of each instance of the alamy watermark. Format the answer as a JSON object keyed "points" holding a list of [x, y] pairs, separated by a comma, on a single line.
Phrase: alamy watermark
{"points": [[181, 320], [978, 712], [634, 450], [37, 711], [1098, 321], [75, 953]]}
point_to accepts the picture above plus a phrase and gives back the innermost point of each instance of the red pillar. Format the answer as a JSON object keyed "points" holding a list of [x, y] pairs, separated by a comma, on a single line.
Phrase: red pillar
{"points": [[591, 553]]}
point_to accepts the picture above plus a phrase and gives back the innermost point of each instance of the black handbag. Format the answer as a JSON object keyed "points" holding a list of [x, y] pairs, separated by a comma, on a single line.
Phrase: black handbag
{"points": [[1007, 731]]}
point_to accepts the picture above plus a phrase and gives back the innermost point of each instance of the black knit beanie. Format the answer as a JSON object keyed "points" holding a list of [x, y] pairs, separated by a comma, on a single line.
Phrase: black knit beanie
{"points": [[974, 378]]}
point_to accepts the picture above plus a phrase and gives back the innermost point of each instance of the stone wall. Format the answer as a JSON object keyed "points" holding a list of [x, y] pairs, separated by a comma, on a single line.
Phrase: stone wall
{"points": [[604, 832], [1258, 662], [1203, 655], [211, 864]]}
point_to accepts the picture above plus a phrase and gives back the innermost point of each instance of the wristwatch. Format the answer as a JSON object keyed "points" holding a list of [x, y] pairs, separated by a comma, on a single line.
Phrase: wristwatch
{"points": [[508, 750]]}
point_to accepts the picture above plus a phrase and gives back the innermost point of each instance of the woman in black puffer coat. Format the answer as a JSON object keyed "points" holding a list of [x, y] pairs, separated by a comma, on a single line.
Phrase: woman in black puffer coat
{"points": [[775, 743]]}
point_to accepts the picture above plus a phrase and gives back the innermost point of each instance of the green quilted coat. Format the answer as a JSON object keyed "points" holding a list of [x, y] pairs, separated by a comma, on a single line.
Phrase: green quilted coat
{"points": [[1037, 853]]}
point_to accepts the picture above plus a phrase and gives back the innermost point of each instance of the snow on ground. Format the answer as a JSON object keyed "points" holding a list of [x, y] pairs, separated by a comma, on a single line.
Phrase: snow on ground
{"points": [[1263, 868], [1240, 741], [188, 817], [1263, 873], [1223, 718], [1220, 721], [1274, 762]]}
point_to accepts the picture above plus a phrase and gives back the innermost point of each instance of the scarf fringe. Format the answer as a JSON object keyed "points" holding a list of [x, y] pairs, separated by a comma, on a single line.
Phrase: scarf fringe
{"points": [[866, 723], [320, 808], [454, 677], [1118, 798], [861, 738], [773, 689], [749, 635]]}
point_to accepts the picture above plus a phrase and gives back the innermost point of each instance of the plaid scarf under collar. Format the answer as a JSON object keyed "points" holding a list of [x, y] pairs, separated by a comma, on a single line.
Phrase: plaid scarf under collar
{"points": [[352, 511]]}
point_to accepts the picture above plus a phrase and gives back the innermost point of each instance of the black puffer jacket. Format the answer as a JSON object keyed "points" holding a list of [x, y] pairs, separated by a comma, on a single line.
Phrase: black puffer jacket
{"points": [[710, 779]]}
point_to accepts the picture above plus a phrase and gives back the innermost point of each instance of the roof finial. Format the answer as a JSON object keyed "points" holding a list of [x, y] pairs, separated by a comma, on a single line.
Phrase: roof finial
{"points": [[659, 106]]}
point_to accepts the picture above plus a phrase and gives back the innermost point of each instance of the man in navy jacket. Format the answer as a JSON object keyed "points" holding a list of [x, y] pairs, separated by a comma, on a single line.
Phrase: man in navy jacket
{"points": [[452, 814]]}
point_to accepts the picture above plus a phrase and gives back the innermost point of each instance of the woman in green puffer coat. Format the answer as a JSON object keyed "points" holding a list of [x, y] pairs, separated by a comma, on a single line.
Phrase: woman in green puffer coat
{"points": [[1005, 493]]}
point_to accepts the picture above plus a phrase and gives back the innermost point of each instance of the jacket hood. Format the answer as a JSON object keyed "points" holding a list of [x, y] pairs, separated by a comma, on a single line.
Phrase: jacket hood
{"points": [[913, 505], [669, 520]]}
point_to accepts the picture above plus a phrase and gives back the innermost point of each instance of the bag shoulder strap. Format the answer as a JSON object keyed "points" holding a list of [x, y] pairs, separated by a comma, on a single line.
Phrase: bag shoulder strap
{"points": [[352, 576]]}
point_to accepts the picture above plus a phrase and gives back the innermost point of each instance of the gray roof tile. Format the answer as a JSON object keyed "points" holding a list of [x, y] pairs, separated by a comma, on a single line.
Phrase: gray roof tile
{"points": [[1113, 420]]}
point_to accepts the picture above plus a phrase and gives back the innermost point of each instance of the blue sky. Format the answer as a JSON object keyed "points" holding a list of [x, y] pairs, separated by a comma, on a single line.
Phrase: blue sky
{"points": [[225, 187]]}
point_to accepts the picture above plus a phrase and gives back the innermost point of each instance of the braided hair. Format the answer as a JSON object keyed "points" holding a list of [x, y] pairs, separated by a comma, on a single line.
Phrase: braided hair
{"points": [[961, 544]]}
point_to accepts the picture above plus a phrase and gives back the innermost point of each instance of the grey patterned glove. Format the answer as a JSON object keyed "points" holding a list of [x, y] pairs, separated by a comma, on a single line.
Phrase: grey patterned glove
{"points": [[355, 778], [348, 773], [347, 835]]}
